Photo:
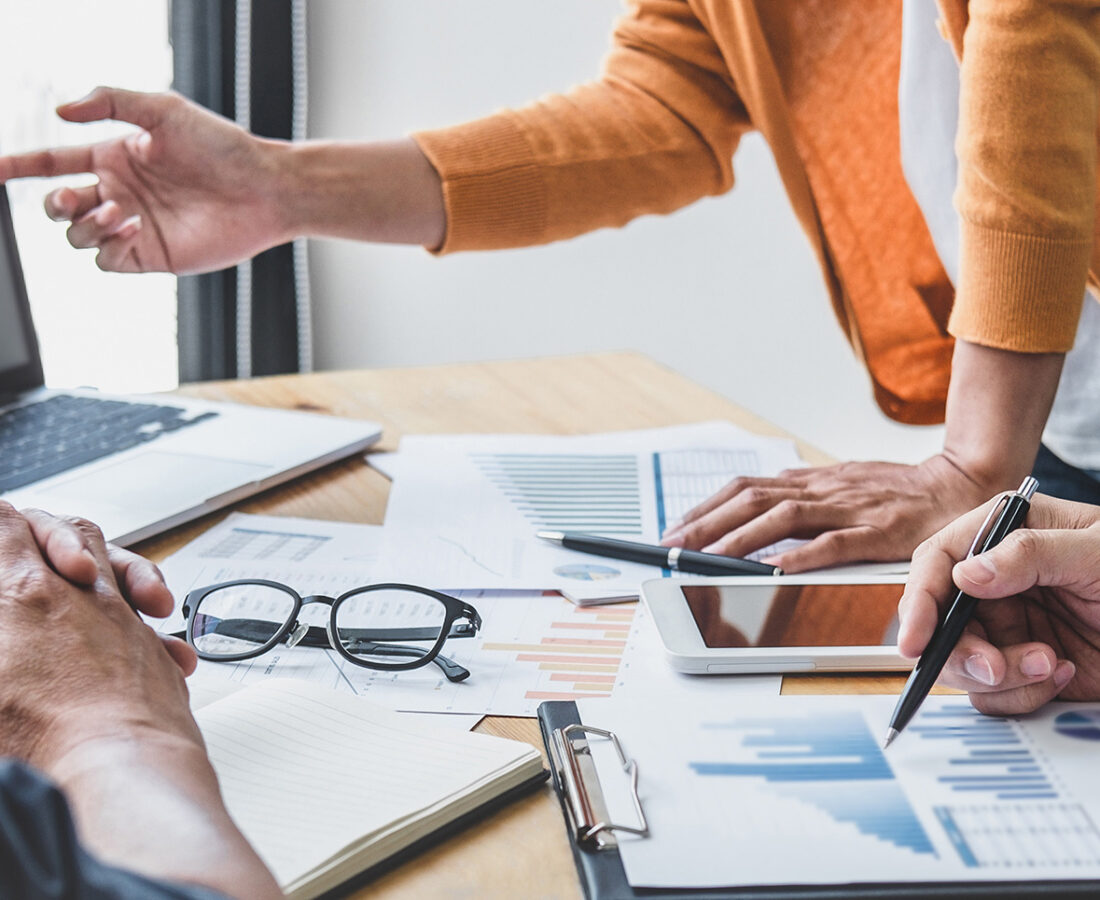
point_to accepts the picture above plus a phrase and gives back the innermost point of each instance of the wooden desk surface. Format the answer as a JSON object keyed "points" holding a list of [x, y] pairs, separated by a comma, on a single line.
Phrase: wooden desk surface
{"points": [[521, 851]]}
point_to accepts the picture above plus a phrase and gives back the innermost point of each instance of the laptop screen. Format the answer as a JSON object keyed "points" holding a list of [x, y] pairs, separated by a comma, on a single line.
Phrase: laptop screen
{"points": [[20, 366]]}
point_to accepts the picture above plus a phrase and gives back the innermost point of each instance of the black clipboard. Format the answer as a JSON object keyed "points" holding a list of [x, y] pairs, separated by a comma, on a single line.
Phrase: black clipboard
{"points": [[601, 869]]}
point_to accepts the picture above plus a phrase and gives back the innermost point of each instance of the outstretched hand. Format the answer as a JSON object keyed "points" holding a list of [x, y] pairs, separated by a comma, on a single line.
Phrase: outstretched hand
{"points": [[189, 192], [853, 512], [1036, 633]]}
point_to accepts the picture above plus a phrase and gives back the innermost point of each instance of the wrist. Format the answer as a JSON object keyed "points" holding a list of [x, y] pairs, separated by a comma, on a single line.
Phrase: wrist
{"points": [[89, 737], [380, 191]]}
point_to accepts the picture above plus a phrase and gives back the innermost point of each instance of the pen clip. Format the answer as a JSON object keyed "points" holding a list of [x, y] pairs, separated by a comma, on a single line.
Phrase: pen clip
{"points": [[983, 532]]}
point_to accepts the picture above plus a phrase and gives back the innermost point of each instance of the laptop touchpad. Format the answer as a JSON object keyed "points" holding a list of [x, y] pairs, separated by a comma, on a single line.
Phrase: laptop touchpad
{"points": [[154, 480]]}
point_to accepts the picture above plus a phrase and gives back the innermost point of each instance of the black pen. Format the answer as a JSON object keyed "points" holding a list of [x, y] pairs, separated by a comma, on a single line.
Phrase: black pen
{"points": [[675, 558], [1006, 516]]}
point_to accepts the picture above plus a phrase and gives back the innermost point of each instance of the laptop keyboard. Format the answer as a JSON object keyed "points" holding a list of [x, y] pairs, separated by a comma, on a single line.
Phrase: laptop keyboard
{"points": [[65, 431]]}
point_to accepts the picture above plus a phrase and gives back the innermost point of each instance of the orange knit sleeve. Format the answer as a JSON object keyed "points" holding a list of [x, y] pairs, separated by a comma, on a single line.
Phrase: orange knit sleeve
{"points": [[657, 131], [1027, 191]]}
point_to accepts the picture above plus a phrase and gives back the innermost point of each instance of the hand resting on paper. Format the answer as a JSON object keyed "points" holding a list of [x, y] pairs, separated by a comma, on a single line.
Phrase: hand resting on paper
{"points": [[852, 512], [1036, 634]]}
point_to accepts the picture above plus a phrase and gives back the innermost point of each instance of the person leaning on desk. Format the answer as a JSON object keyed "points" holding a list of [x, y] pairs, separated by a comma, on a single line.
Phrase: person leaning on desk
{"points": [[683, 82], [93, 699]]}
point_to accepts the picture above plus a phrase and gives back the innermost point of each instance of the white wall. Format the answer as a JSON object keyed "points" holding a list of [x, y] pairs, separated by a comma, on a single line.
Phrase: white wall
{"points": [[726, 292]]}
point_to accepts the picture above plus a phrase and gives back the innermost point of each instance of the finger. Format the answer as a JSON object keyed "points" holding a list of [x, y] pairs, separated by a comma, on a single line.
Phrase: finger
{"points": [[63, 546], [750, 502], [789, 518], [97, 545], [46, 163], [141, 582], [67, 204], [1027, 698], [1029, 557], [118, 253], [929, 585], [829, 549], [182, 653], [96, 226], [736, 487], [971, 668], [17, 543], [144, 110]]}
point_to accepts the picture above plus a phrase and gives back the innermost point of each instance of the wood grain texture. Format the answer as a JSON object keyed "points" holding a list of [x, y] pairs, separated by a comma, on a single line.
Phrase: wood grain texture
{"points": [[520, 851]]}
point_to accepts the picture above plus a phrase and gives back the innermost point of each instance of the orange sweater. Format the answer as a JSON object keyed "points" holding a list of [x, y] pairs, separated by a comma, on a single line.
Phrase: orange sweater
{"points": [[818, 78]]}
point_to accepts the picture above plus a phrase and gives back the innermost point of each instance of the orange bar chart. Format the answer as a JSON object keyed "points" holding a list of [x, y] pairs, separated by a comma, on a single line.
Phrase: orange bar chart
{"points": [[578, 655]]}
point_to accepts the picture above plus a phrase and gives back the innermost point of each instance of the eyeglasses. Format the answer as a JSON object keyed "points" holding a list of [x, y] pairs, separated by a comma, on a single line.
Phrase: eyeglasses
{"points": [[380, 626]]}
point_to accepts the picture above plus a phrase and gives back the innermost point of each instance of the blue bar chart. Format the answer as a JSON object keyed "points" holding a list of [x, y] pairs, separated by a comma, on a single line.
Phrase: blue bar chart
{"points": [[593, 492], [986, 756], [832, 762]]}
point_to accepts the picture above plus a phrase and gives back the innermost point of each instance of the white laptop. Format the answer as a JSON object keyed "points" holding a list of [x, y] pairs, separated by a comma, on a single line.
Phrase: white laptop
{"points": [[138, 465]]}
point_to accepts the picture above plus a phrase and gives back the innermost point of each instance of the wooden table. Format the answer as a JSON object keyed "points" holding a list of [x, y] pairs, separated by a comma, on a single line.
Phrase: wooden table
{"points": [[522, 850]]}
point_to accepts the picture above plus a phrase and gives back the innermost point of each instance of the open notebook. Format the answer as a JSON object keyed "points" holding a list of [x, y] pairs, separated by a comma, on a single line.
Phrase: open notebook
{"points": [[327, 786]]}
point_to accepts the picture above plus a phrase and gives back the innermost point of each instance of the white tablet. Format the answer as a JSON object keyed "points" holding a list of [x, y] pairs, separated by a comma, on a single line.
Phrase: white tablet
{"points": [[796, 623]]}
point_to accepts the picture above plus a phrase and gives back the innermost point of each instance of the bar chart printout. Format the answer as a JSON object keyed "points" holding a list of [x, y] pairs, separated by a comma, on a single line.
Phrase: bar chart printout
{"points": [[796, 790]]}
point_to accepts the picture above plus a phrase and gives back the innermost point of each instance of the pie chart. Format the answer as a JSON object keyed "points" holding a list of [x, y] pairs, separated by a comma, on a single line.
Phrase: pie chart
{"points": [[1083, 724]]}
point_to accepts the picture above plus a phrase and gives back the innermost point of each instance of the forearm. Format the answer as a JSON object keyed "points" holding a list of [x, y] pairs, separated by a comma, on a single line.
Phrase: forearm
{"points": [[380, 191], [151, 804], [997, 407]]}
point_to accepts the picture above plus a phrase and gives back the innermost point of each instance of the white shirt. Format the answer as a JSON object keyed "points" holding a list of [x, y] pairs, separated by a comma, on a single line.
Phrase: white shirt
{"points": [[928, 106]]}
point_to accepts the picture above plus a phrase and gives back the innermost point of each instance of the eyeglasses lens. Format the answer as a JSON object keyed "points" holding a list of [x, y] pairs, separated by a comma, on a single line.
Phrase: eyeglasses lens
{"points": [[240, 618], [390, 628]]}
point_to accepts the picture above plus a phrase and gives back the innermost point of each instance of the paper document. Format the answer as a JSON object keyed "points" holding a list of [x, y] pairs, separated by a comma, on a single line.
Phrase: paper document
{"points": [[464, 509], [796, 790], [533, 646]]}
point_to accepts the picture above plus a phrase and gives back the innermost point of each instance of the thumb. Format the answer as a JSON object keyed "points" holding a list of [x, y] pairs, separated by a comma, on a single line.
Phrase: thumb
{"points": [[143, 110], [1054, 558]]}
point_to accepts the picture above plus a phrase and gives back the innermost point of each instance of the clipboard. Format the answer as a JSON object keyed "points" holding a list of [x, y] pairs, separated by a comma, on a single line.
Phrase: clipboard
{"points": [[600, 868]]}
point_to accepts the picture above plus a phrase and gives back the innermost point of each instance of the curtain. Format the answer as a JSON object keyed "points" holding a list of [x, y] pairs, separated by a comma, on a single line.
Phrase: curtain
{"points": [[245, 59]]}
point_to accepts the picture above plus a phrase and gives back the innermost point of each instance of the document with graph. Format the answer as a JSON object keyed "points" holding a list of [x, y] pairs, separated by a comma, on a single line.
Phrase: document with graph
{"points": [[464, 509], [796, 790]]}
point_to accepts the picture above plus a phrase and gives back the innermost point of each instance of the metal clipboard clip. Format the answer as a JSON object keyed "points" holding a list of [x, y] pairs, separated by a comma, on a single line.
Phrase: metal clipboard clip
{"points": [[576, 771]]}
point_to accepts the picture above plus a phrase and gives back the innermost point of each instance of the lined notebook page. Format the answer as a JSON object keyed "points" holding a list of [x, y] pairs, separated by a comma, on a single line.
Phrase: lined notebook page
{"points": [[305, 772]]}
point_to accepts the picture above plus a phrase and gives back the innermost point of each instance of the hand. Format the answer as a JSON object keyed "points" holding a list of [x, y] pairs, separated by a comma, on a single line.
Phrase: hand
{"points": [[1036, 633], [75, 662], [66, 544], [857, 511], [189, 192]]}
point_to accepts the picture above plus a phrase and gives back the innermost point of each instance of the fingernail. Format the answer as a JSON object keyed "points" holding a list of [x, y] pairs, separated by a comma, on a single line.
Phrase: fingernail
{"points": [[978, 668], [106, 212], [672, 540], [1035, 664], [131, 226], [1063, 673], [979, 570]]}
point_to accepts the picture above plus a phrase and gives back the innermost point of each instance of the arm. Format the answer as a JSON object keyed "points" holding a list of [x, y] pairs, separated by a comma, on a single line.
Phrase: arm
{"points": [[108, 720], [1036, 635], [655, 132], [1030, 78]]}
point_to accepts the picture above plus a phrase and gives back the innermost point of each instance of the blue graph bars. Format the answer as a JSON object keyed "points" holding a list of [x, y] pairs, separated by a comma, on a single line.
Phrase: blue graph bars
{"points": [[593, 492], [816, 760], [991, 758]]}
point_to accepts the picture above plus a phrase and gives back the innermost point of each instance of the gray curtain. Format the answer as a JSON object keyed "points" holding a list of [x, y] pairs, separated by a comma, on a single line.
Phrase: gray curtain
{"points": [[245, 59]]}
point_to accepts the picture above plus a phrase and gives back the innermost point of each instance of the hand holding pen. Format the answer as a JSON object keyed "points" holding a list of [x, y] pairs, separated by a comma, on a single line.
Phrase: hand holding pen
{"points": [[1035, 633]]}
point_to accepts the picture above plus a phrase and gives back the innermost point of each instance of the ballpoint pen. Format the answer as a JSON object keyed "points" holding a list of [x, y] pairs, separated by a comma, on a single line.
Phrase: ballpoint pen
{"points": [[1006, 515], [675, 558]]}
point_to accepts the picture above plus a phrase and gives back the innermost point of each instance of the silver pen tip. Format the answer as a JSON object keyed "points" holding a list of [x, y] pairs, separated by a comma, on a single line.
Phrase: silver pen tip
{"points": [[890, 735], [550, 535]]}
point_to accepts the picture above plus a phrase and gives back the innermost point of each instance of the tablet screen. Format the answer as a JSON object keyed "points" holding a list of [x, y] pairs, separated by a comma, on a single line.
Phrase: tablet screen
{"points": [[795, 615]]}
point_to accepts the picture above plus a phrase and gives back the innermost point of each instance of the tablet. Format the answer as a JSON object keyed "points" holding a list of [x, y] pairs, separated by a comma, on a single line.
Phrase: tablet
{"points": [[796, 623]]}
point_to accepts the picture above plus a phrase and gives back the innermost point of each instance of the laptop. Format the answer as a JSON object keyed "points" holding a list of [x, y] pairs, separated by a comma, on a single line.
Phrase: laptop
{"points": [[138, 465]]}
